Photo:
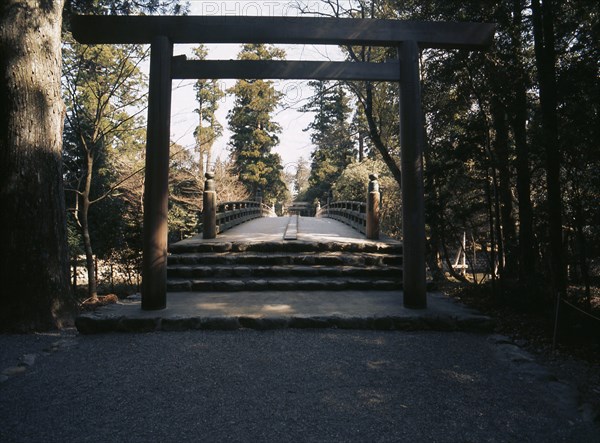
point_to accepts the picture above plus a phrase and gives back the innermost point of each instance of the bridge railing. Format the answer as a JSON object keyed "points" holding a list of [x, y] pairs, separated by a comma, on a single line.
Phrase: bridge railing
{"points": [[364, 217], [218, 217], [352, 213], [230, 214]]}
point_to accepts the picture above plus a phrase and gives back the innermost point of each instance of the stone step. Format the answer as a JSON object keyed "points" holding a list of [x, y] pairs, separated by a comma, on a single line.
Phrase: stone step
{"points": [[188, 272], [198, 246], [287, 284], [283, 259]]}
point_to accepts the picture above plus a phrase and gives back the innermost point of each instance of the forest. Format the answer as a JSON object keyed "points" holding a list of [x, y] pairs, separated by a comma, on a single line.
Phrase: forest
{"points": [[511, 164]]}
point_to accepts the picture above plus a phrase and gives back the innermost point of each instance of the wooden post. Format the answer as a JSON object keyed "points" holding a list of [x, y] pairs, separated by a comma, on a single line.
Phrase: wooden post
{"points": [[373, 197], [413, 206], [156, 191], [258, 197], [209, 207]]}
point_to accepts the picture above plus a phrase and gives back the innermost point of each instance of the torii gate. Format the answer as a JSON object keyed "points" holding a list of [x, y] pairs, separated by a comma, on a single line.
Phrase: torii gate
{"points": [[161, 32]]}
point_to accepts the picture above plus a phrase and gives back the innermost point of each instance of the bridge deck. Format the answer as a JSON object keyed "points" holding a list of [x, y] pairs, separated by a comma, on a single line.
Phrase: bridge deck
{"points": [[309, 229]]}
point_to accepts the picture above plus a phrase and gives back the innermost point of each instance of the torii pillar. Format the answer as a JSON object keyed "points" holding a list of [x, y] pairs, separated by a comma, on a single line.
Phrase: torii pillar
{"points": [[411, 166], [156, 187]]}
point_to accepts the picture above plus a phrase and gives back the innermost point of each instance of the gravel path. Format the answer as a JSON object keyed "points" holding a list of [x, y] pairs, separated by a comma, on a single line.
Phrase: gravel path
{"points": [[283, 385]]}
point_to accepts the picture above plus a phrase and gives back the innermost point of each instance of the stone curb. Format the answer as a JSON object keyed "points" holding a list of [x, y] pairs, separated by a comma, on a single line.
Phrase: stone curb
{"points": [[282, 258], [94, 324], [282, 284], [284, 245]]}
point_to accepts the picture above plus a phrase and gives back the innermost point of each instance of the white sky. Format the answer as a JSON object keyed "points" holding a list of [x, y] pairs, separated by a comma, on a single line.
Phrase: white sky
{"points": [[294, 142]]}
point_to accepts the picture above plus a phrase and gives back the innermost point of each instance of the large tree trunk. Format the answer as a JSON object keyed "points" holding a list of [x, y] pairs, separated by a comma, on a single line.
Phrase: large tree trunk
{"points": [[543, 32], [34, 266], [509, 268], [519, 125]]}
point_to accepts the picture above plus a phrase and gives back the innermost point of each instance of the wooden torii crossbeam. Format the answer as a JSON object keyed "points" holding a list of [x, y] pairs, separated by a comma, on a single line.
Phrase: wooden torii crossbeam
{"points": [[161, 32]]}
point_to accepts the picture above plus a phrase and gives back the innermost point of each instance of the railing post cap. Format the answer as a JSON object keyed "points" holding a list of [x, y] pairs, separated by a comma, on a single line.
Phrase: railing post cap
{"points": [[373, 184], [209, 184]]}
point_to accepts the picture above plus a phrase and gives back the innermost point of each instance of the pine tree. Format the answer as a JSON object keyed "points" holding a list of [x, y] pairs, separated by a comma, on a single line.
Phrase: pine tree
{"points": [[331, 135], [254, 131], [208, 94], [300, 178]]}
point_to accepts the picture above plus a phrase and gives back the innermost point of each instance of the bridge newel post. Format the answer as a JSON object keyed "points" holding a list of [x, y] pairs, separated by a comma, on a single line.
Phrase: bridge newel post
{"points": [[413, 199], [373, 199], [209, 207], [156, 188], [258, 197]]}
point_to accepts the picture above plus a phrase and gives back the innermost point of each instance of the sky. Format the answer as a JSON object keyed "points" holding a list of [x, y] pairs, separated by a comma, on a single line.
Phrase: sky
{"points": [[294, 142]]}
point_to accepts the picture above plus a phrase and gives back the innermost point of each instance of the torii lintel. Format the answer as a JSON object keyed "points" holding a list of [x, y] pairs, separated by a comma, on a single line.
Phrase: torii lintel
{"points": [[286, 30]]}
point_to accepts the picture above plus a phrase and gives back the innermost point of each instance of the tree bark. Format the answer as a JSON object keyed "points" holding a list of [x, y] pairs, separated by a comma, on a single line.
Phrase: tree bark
{"points": [[490, 209], [34, 266], [508, 231], [519, 125], [543, 32], [376, 138], [433, 213], [582, 250], [83, 218]]}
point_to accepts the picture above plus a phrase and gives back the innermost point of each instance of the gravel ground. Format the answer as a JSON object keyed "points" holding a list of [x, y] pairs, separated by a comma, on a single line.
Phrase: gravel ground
{"points": [[283, 385]]}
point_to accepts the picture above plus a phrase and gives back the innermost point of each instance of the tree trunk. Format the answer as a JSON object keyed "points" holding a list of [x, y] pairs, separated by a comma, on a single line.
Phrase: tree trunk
{"points": [[74, 265], [433, 213], [208, 162], [89, 254], [376, 138], [83, 219], [498, 228], [434, 260], [361, 148], [509, 268], [582, 250], [519, 125], [199, 140], [490, 208], [543, 32], [34, 265]]}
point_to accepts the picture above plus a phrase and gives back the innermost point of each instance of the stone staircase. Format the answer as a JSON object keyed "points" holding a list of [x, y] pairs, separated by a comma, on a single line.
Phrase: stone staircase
{"points": [[284, 266]]}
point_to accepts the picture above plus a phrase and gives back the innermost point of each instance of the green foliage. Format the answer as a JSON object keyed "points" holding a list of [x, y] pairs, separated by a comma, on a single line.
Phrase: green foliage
{"points": [[353, 183], [208, 94], [300, 178], [255, 132], [185, 195], [330, 133], [104, 92]]}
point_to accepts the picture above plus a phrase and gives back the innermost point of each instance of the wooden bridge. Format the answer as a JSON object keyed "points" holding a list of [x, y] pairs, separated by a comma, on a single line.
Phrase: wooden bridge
{"points": [[339, 249], [291, 253]]}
